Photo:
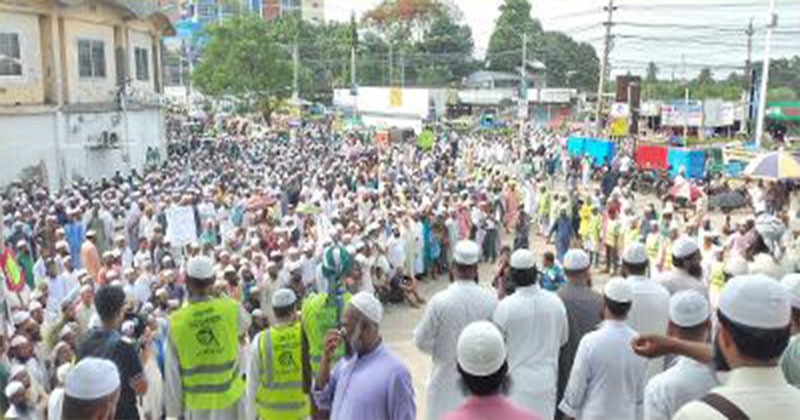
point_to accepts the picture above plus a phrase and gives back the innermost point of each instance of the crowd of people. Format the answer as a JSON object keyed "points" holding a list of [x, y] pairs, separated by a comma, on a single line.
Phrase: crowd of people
{"points": [[247, 278]]}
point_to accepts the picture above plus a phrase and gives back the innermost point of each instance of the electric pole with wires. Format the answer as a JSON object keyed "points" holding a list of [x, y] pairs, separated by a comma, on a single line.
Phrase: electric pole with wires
{"points": [[601, 86]]}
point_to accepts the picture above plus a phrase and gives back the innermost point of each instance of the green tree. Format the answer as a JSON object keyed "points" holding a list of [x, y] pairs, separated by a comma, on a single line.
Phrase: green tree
{"points": [[403, 21], [505, 43], [704, 78], [446, 47], [242, 59], [652, 72], [568, 63]]}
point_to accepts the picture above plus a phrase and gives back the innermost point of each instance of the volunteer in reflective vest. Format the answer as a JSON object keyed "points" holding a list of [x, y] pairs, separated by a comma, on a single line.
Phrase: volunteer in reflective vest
{"points": [[202, 369], [279, 376]]}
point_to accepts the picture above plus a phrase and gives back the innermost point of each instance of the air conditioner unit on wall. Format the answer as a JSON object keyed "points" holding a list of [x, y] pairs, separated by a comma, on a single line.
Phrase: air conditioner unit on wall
{"points": [[103, 140]]}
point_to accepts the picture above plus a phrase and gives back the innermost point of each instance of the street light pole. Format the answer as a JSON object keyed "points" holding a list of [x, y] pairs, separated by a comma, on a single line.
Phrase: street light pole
{"points": [[762, 96]]}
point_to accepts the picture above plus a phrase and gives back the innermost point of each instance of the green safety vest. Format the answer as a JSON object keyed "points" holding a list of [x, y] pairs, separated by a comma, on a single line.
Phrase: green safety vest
{"points": [[206, 338], [318, 319], [280, 393]]}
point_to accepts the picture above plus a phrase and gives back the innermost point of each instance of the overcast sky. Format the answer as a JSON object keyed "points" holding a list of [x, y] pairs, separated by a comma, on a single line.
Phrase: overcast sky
{"points": [[670, 32]]}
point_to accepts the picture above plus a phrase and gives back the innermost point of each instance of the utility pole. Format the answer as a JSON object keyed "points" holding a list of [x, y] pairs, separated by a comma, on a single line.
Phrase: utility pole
{"points": [[402, 69], [601, 86], [522, 101], [747, 76], [353, 43], [391, 63], [762, 95], [685, 113], [295, 83]]}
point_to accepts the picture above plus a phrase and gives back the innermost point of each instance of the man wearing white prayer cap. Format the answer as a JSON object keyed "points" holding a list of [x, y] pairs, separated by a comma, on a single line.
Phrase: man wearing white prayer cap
{"points": [[19, 404], [584, 308], [533, 357], [754, 329], [790, 361], [687, 268], [483, 366], [204, 336], [687, 379], [607, 379], [91, 390], [371, 382], [287, 394], [446, 314], [650, 311]]}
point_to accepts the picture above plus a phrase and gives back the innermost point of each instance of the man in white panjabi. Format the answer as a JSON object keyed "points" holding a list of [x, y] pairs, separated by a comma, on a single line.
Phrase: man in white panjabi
{"points": [[534, 324], [447, 313]]}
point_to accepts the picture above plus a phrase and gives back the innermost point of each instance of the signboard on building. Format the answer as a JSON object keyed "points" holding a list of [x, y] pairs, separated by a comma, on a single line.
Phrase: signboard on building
{"points": [[680, 113], [620, 110]]}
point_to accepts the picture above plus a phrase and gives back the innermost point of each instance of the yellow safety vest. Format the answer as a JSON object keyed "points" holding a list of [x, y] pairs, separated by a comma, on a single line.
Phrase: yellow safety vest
{"points": [[318, 318], [280, 393], [206, 337]]}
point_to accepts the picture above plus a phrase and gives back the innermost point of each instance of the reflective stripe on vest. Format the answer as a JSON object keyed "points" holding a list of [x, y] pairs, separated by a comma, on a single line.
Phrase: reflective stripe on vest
{"points": [[206, 338], [280, 392]]}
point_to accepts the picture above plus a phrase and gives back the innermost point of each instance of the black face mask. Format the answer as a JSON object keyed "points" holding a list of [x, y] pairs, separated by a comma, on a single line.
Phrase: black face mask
{"points": [[720, 363]]}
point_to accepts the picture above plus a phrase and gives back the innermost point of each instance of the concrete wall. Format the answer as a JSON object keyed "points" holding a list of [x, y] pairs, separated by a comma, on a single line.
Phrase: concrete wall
{"points": [[89, 90], [27, 140], [143, 128], [28, 88], [138, 39]]}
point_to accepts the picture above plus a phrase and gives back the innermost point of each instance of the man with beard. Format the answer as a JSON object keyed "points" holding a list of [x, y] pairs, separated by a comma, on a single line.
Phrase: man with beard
{"points": [[371, 382], [687, 269], [686, 379], [754, 326], [19, 407]]}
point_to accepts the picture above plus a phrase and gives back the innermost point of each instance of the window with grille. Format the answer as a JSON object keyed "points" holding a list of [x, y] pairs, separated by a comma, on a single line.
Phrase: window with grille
{"points": [[10, 54], [142, 66], [91, 58]]}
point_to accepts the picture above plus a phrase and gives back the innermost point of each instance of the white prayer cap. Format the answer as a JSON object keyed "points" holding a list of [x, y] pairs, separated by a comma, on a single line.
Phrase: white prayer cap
{"points": [[65, 331], [736, 266], [467, 253], [791, 282], [61, 372], [276, 254], [755, 301], [576, 260], [683, 247], [688, 308], [258, 313], [200, 267], [35, 306], [283, 298], [764, 264], [480, 349], [635, 253], [16, 369], [18, 340], [20, 316], [522, 259], [92, 378], [618, 290], [14, 388], [368, 305]]}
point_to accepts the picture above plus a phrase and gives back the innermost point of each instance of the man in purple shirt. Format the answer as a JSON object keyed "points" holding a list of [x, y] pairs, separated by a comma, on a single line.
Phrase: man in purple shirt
{"points": [[371, 382]]}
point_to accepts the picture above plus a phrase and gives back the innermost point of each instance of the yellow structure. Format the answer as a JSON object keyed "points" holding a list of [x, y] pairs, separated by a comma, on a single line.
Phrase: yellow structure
{"points": [[77, 76]]}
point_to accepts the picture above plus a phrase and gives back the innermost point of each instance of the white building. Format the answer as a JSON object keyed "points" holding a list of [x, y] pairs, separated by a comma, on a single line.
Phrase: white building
{"points": [[80, 87]]}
